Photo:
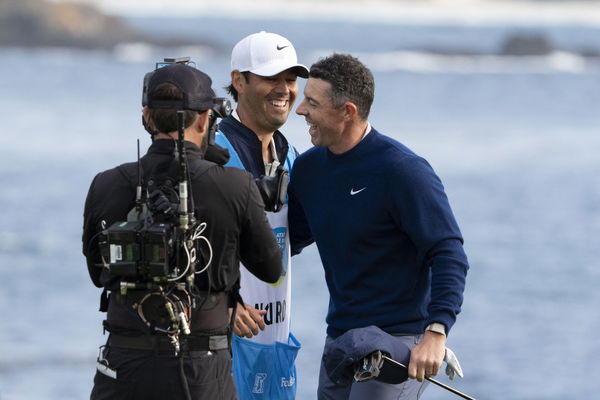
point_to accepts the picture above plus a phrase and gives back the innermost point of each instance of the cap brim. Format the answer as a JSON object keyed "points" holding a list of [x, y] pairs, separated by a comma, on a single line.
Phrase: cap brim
{"points": [[275, 68]]}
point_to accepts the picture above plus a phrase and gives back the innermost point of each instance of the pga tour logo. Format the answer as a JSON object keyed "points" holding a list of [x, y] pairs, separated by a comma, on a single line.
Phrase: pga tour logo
{"points": [[261, 378], [259, 383]]}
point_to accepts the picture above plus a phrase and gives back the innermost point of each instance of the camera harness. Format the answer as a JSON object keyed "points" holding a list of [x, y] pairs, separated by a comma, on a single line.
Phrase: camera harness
{"points": [[156, 250]]}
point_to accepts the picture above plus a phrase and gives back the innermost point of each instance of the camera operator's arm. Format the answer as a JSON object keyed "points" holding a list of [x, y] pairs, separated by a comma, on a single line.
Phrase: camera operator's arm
{"points": [[91, 251], [259, 250], [109, 199]]}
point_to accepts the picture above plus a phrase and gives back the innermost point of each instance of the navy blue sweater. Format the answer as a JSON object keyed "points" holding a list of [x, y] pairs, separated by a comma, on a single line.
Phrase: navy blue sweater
{"points": [[389, 243]]}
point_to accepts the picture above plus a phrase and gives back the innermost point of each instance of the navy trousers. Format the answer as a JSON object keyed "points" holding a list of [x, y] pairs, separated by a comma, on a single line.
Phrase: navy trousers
{"points": [[372, 389]]}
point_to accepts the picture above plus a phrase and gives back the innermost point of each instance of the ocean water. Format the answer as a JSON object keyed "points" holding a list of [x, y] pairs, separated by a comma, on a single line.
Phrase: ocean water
{"points": [[515, 141]]}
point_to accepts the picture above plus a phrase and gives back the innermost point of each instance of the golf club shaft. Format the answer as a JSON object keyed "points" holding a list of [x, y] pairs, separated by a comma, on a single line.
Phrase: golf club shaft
{"points": [[440, 384]]}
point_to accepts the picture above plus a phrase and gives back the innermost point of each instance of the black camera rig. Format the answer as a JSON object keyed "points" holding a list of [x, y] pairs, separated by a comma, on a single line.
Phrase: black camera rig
{"points": [[158, 248]]}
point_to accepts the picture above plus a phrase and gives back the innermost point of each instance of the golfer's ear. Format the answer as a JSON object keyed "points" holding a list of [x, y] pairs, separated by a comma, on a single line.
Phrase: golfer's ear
{"points": [[237, 80], [350, 111]]}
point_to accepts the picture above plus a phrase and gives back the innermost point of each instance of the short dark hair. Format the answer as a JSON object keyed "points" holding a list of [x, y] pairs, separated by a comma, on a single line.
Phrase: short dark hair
{"points": [[350, 80], [231, 90], [165, 120]]}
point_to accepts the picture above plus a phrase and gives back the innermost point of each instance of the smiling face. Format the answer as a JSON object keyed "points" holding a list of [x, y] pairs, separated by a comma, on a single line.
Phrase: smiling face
{"points": [[264, 103], [326, 123]]}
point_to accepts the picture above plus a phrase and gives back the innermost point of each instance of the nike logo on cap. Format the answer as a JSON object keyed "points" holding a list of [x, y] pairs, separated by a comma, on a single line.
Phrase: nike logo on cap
{"points": [[353, 192], [281, 47]]}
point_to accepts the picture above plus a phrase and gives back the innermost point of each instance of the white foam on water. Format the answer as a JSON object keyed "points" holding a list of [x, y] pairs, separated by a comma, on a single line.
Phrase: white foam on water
{"points": [[415, 61], [432, 11]]}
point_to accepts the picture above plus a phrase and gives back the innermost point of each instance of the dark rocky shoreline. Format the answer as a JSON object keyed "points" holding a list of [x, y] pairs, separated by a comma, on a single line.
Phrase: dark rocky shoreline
{"points": [[39, 23]]}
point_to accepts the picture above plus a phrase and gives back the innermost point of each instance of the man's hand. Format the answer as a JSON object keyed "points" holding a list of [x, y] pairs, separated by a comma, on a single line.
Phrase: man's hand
{"points": [[427, 356], [248, 320]]}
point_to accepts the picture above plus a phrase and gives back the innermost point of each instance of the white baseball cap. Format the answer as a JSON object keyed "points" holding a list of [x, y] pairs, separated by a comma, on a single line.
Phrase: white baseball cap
{"points": [[266, 54]]}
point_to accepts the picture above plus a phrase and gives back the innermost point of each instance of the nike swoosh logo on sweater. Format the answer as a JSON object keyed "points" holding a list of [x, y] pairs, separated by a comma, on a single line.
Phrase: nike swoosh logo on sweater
{"points": [[281, 47], [353, 192]]}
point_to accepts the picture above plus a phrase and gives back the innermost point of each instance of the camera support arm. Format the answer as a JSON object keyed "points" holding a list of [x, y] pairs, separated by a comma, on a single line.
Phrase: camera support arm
{"points": [[183, 184]]}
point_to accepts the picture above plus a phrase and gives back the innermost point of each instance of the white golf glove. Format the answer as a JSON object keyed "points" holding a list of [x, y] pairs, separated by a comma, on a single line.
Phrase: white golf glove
{"points": [[452, 365]]}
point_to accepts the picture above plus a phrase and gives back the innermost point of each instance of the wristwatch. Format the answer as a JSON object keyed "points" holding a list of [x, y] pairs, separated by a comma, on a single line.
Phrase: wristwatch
{"points": [[437, 328]]}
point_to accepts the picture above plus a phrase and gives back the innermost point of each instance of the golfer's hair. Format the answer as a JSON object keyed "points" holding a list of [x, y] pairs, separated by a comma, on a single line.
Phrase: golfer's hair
{"points": [[350, 81]]}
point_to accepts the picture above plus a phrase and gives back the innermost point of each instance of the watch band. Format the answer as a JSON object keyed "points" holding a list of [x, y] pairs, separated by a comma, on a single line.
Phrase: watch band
{"points": [[437, 328]]}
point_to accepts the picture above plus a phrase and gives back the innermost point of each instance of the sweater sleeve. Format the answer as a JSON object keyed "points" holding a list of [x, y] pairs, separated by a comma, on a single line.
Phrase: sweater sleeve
{"points": [[422, 210]]}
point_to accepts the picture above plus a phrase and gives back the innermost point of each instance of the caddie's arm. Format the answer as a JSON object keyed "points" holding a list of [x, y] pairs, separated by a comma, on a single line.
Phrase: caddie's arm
{"points": [[248, 321]]}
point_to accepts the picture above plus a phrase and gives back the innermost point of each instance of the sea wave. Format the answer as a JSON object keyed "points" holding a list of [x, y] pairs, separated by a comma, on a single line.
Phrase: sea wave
{"points": [[474, 12], [47, 361], [415, 61], [145, 52]]}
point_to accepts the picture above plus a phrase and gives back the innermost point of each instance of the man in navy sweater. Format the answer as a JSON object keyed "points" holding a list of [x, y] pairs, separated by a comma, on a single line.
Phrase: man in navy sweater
{"points": [[390, 246]]}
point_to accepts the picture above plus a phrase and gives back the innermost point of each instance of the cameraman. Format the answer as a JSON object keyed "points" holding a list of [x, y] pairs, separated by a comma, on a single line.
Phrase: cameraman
{"points": [[139, 361]]}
